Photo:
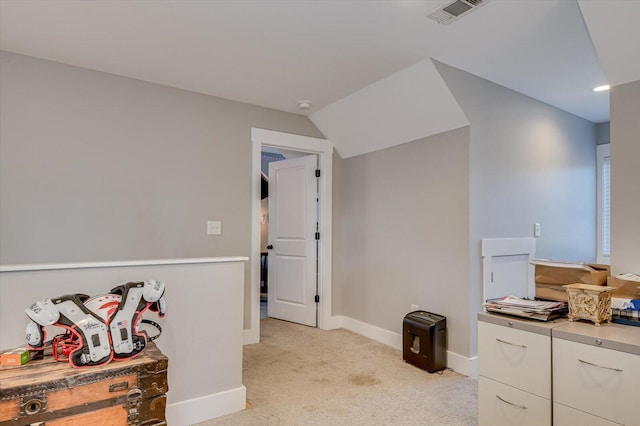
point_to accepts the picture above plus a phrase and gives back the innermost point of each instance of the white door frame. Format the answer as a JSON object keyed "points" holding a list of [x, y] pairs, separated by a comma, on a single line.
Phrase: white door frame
{"points": [[324, 150]]}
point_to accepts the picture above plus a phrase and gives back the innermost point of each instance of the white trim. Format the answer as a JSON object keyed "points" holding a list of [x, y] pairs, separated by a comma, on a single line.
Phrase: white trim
{"points": [[494, 247], [508, 246], [378, 334], [602, 151], [290, 141], [116, 264], [335, 321], [207, 407], [250, 336], [463, 365], [324, 150], [458, 363]]}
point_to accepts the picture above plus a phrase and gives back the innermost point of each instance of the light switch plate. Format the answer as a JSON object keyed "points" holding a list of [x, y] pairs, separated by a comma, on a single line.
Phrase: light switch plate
{"points": [[214, 227]]}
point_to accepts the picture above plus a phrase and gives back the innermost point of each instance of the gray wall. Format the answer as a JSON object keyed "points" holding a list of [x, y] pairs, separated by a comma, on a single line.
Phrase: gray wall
{"points": [[521, 161], [338, 228], [188, 302], [625, 178], [100, 167], [603, 133], [529, 162], [402, 233]]}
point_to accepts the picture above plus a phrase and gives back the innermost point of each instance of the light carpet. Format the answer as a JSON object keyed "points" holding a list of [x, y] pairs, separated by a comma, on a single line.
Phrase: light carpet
{"points": [[299, 375]]}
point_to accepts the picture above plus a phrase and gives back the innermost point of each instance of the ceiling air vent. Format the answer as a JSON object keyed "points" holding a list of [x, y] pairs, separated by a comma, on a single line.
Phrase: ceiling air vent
{"points": [[454, 10]]}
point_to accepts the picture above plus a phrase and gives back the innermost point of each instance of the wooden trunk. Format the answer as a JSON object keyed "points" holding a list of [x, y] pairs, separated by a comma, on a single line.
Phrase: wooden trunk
{"points": [[131, 392]]}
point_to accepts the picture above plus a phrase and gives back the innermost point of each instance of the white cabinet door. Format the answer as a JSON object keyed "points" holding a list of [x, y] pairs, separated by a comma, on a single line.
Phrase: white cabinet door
{"points": [[566, 416], [599, 381], [502, 405], [518, 358]]}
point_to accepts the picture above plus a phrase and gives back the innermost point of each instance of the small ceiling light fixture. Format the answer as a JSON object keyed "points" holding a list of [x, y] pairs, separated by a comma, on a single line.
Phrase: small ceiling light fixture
{"points": [[602, 88], [304, 104]]}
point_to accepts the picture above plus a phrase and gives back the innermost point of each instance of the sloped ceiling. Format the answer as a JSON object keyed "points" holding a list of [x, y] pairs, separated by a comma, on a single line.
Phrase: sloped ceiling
{"points": [[411, 104]]}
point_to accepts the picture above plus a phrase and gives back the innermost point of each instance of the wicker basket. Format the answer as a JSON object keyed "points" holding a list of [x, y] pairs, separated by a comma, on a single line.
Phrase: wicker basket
{"points": [[589, 302]]}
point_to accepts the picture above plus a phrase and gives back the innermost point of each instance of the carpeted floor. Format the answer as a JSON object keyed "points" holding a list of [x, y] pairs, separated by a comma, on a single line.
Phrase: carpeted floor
{"points": [[299, 375]]}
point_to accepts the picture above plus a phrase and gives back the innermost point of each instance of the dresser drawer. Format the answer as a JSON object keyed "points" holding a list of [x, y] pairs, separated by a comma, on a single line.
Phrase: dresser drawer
{"points": [[517, 358], [596, 380], [500, 404], [566, 416]]}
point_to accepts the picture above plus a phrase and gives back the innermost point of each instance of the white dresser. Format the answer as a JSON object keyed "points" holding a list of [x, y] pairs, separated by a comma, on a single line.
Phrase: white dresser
{"points": [[557, 373], [514, 383]]}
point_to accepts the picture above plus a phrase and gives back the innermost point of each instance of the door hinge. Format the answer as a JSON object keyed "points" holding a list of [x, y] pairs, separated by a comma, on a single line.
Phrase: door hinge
{"points": [[317, 298], [317, 235], [317, 172]]}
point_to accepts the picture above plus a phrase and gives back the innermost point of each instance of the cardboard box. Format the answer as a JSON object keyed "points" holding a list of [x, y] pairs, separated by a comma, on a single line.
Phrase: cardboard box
{"points": [[625, 289], [551, 292], [562, 275], [550, 276]]}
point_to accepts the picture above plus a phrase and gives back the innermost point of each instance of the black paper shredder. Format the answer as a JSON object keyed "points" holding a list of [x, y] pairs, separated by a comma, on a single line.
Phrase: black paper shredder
{"points": [[424, 340]]}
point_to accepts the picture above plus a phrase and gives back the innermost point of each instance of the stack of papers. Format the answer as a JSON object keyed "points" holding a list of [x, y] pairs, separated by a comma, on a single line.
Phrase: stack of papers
{"points": [[533, 309], [629, 277]]}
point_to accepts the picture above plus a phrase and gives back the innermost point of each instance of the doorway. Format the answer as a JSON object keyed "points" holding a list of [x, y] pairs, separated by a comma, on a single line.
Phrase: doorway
{"points": [[262, 138], [293, 240]]}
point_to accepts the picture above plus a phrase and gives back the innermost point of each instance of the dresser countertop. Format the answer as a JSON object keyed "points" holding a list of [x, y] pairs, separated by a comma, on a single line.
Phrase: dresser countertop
{"points": [[532, 326], [619, 337]]}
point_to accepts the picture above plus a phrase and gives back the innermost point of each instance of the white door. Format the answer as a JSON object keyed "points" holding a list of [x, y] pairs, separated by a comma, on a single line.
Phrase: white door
{"points": [[293, 188]]}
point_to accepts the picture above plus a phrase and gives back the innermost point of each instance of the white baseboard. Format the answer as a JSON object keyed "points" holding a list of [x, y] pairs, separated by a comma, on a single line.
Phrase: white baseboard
{"points": [[335, 321], [373, 332], [207, 407], [459, 363], [462, 364], [250, 337]]}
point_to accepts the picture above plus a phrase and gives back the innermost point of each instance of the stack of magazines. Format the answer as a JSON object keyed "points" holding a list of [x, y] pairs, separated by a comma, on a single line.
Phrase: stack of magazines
{"points": [[534, 309]]}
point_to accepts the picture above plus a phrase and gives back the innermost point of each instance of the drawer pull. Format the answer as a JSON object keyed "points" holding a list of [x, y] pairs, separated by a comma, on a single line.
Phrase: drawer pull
{"points": [[511, 403], [600, 366], [509, 343]]}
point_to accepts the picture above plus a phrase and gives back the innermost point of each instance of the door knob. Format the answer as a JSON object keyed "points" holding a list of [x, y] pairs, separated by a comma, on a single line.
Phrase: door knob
{"points": [[270, 247]]}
